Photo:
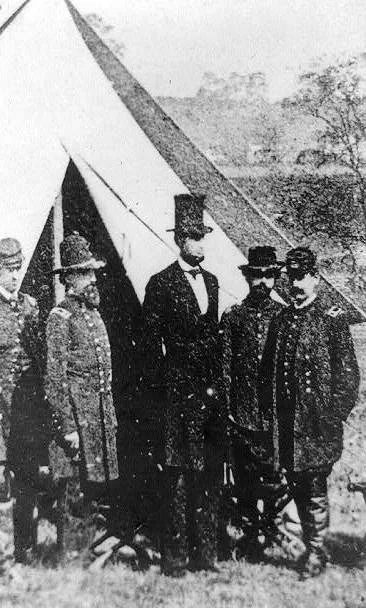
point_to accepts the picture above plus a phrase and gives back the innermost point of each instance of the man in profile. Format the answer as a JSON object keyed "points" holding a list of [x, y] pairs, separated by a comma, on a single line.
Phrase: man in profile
{"points": [[78, 381]]}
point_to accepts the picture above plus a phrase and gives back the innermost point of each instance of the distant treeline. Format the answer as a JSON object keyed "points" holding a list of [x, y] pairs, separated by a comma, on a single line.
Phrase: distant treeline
{"points": [[309, 205]]}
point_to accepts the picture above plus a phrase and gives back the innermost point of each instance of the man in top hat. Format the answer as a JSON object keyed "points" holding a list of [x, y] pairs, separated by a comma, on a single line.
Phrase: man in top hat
{"points": [[311, 386], [180, 347], [243, 330], [23, 440], [78, 378]]}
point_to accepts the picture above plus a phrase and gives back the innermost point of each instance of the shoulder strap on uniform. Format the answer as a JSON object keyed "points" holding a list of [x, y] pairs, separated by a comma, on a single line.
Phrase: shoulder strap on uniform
{"points": [[335, 311]]}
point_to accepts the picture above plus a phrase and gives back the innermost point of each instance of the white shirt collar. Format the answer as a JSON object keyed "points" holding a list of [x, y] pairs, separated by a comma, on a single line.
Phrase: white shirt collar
{"points": [[186, 267], [306, 302], [7, 295]]}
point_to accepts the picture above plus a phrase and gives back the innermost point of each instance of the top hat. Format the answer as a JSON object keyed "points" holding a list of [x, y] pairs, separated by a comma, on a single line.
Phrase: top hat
{"points": [[10, 252], [76, 255], [189, 216], [301, 261], [261, 260]]}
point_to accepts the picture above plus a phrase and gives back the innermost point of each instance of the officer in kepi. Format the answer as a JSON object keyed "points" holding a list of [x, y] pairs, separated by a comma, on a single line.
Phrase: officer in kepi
{"points": [[23, 439], [78, 382], [310, 385], [180, 345], [243, 332]]}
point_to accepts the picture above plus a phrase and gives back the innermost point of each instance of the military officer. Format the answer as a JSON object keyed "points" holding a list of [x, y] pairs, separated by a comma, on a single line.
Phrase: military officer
{"points": [[78, 378], [243, 331], [180, 345], [23, 436], [310, 387]]}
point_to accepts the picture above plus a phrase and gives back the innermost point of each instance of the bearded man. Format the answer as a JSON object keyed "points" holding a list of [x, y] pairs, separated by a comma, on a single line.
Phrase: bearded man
{"points": [[78, 379], [243, 331]]}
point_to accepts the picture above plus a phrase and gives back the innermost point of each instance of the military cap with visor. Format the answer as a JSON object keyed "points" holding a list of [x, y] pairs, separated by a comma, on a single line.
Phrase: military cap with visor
{"points": [[11, 255], [300, 261]]}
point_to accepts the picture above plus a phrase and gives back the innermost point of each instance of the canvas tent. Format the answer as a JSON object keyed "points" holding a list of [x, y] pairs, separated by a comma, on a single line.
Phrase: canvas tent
{"points": [[84, 147], [61, 115], [56, 105]]}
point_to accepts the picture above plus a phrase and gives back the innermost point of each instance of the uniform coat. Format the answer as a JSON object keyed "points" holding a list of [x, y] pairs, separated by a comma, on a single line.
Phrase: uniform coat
{"points": [[180, 349], [243, 330], [325, 382], [23, 438], [78, 389]]}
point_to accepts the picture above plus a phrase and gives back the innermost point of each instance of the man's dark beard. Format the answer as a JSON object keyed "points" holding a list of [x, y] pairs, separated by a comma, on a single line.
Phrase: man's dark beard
{"points": [[260, 292], [192, 260], [90, 296]]}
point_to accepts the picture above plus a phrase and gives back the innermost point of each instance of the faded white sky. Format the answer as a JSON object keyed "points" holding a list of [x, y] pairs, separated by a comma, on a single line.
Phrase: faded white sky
{"points": [[171, 43]]}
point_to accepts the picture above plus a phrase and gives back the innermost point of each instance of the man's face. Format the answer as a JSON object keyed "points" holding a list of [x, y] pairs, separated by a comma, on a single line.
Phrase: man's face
{"points": [[262, 283], [10, 277], [192, 249], [303, 286], [84, 283]]}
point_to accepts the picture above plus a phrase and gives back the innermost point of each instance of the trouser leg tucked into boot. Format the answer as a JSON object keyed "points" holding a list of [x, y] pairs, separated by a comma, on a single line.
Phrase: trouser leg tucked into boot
{"points": [[310, 493]]}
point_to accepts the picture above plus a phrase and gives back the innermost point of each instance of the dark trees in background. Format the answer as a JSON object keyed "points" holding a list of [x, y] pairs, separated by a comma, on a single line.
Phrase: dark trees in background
{"points": [[333, 95]]}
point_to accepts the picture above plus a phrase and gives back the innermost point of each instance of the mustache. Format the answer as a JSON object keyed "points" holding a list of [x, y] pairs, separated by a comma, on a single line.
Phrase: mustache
{"points": [[261, 289]]}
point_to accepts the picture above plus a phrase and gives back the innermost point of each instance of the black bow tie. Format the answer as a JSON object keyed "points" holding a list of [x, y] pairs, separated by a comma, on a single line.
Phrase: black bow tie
{"points": [[194, 272]]}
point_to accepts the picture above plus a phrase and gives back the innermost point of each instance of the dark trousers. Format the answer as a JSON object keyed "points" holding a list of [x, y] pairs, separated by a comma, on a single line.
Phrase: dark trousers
{"points": [[81, 509], [24, 519], [190, 519], [254, 482], [309, 491]]}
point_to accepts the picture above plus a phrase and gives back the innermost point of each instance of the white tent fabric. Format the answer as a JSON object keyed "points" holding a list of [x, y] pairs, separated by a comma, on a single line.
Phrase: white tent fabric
{"points": [[56, 103]]}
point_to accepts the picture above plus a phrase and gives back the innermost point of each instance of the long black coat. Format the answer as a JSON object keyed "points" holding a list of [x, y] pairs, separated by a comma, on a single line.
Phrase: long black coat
{"points": [[243, 330], [326, 380], [180, 352], [23, 436], [78, 389]]}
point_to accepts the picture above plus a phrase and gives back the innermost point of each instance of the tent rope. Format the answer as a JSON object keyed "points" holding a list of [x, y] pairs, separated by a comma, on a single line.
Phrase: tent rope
{"points": [[12, 17], [129, 209], [145, 224]]}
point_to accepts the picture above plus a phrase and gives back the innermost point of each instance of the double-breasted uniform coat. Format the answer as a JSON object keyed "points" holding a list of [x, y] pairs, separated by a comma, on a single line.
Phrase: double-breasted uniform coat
{"points": [[23, 436], [78, 390], [180, 349], [311, 381], [310, 356], [243, 330]]}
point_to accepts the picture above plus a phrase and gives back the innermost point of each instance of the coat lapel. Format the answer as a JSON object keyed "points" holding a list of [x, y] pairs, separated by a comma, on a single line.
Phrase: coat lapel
{"points": [[183, 292]]}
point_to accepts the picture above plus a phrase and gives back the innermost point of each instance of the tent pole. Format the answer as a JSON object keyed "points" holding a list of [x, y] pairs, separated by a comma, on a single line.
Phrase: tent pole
{"points": [[58, 235]]}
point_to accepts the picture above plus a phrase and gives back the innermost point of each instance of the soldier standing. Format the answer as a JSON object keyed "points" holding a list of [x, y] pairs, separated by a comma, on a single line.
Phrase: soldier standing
{"points": [[243, 330], [23, 442], [78, 378], [181, 346], [311, 388]]}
